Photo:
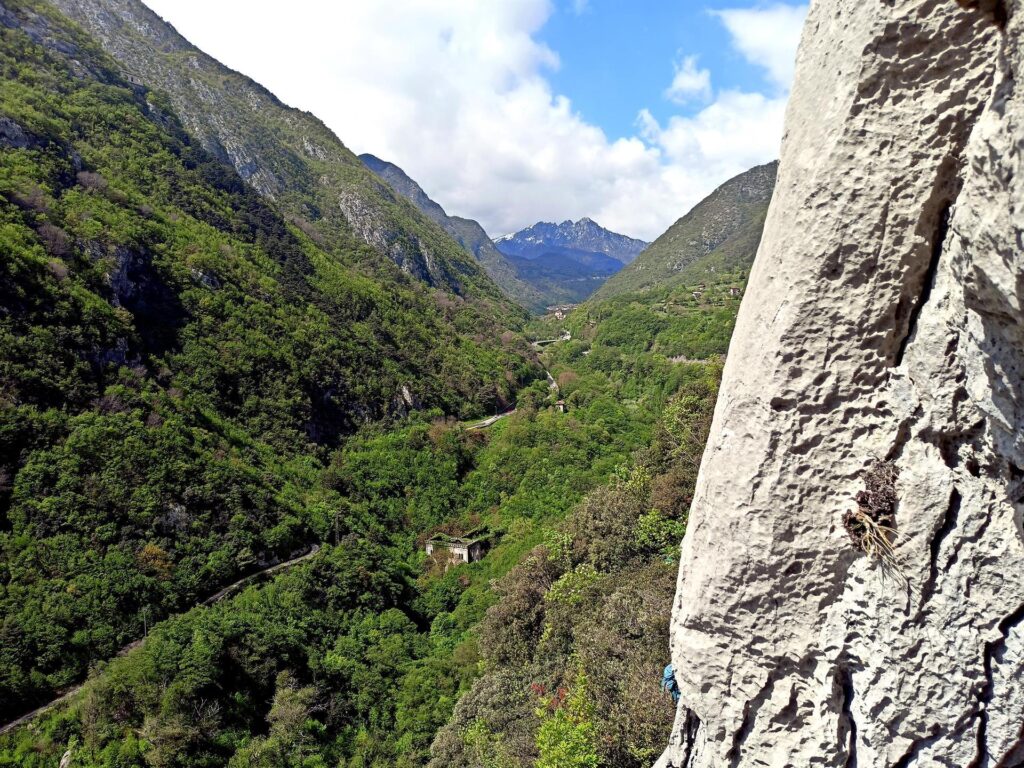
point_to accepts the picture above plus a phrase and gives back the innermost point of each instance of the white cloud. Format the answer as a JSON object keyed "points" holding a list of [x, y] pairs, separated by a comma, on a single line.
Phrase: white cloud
{"points": [[457, 93], [579, 6], [689, 82], [767, 36], [737, 131]]}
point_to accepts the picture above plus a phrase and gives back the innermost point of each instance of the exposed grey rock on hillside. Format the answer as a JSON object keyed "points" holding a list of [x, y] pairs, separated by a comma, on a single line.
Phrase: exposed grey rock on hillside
{"points": [[883, 322], [287, 155], [466, 232]]}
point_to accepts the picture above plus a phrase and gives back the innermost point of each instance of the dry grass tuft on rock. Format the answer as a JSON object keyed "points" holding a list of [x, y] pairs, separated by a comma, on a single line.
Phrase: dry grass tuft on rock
{"points": [[872, 525]]}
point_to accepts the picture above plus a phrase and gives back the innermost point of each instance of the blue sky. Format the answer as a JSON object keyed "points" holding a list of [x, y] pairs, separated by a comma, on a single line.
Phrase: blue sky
{"points": [[616, 60], [515, 111]]}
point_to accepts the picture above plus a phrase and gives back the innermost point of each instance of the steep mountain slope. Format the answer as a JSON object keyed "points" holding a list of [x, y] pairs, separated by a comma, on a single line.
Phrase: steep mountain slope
{"points": [[288, 156], [721, 232], [466, 232], [585, 235], [576, 642], [850, 590], [680, 297], [176, 361]]}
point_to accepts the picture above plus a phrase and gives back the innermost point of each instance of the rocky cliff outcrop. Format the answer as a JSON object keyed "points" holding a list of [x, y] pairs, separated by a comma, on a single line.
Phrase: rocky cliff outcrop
{"points": [[466, 232], [874, 379]]}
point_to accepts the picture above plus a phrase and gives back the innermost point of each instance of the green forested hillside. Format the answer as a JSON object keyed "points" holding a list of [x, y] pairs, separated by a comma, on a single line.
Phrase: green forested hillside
{"points": [[690, 321], [680, 297], [176, 360], [288, 156], [575, 641], [718, 237], [466, 232], [360, 656]]}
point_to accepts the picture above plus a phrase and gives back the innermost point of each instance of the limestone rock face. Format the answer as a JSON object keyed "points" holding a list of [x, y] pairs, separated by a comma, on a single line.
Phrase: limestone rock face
{"points": [[882, 325]]}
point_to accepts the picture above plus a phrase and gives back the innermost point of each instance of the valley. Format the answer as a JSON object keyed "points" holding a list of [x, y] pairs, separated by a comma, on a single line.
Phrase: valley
{"points": [[542, 265], [567, 262], [210, 390], [299, 469]]}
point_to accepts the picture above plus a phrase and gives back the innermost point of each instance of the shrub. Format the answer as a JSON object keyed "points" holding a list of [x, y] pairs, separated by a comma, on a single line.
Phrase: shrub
{"points": [[512, 627], [602, 526], [487, 749], [655, 533], [567, 737], [55, 240], [572, 587], [91, 180], [498, 704], [872, 525]]}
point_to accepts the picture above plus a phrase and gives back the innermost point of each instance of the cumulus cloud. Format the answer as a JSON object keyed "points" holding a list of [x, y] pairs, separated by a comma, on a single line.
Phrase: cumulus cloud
{"points": [[689, 82], [767, 37], [457, 92]]}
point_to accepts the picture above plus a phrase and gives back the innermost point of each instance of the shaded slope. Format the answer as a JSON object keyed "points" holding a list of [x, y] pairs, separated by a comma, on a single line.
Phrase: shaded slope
{"points": [[565, 276]]}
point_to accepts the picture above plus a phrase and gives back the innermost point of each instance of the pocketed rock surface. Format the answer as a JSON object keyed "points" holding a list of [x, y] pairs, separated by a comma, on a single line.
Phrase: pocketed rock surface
{"points": [[882, 323]]}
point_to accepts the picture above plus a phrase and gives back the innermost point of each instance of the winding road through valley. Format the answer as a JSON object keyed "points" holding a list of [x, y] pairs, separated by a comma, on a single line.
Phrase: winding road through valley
{"points": [[214, 598], [552, 384], [491, 419]]}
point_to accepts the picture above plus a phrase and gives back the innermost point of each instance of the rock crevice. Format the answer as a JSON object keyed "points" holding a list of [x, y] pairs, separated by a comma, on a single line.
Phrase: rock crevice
{"points": [[883, 323]]}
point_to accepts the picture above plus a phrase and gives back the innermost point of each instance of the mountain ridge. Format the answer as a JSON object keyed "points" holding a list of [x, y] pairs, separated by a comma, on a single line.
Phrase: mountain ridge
{"points": [[287, 155], [719, 234], [466, 232], [568, 261], [584, 234]]}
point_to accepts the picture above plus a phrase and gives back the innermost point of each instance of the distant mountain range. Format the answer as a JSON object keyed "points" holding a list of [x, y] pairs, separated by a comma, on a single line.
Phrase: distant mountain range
{"points": [[719, 235], [679, 298], [539, 266], [585, 235], [568, 261]]}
